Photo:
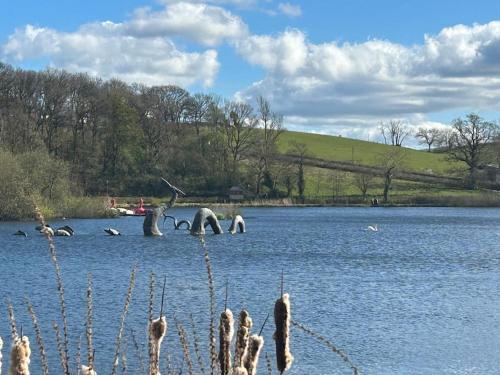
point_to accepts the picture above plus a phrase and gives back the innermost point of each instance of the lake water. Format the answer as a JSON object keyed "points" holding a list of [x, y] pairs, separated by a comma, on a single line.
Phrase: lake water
{"points": [[420, 296]]}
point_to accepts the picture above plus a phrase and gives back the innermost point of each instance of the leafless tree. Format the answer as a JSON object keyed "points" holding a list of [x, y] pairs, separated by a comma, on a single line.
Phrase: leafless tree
{"points": [[363, 182], [391, 163], [395, 132], [428, 136], [471, 136]]}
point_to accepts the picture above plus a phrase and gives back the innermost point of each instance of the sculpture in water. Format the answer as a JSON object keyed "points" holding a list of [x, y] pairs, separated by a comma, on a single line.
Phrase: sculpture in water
{"points": [[150, 225], [202, 217], [237, 223]]}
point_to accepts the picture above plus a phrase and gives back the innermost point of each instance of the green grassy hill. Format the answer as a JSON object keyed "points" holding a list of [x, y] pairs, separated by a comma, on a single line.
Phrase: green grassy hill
{"points": [[365, 153]]}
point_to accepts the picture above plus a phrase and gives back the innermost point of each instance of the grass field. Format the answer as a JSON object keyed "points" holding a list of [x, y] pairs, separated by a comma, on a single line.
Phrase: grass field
{"points": [[365, 153]]}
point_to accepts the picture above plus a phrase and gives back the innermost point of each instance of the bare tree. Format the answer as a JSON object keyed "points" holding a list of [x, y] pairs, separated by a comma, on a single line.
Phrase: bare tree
{"points": [[446, 138], [428, 136], [363, 182], [471, 137], [395, 131], [301, 151], [391, 163]]}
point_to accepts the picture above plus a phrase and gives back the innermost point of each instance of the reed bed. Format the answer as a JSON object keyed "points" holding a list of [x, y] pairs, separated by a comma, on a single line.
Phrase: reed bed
{"points": [[246, 345]]}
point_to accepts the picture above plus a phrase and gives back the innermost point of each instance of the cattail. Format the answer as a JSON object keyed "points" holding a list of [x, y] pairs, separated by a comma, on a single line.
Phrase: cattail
{"points": [[157, 331], [226, 332], [39, 340], [60, 348], [242, 338], [251, 359], [20, 356], [138, 351], [282, 318], [88, 370]]}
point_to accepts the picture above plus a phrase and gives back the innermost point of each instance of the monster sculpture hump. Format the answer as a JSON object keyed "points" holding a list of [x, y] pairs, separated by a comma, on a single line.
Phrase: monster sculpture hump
{"points": [[205, 215], [150, 225], [237, 223]]}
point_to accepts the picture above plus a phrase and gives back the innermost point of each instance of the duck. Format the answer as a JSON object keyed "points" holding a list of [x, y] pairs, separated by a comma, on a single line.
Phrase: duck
{"points": [[112, 232]]}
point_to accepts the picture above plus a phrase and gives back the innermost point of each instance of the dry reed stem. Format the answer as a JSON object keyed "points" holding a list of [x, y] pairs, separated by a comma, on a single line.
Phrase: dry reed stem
{"points": [[196, 342], [242, 337], [1, 347], [226, 332], [39, 340], [12, 321], [157, 332], [282, 318], [211, 291], [269, 365], [128, 299], [78, 356], [20, 356], [124, 356], [88, 326], [329, 345], [170, 369], [251, 359], [60, 289], [138, 351], [150, 316], [185, 346], [60, 347]]}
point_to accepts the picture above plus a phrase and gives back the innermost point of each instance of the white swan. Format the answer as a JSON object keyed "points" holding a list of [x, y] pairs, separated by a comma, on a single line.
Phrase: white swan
{"points": [[373, 228]]}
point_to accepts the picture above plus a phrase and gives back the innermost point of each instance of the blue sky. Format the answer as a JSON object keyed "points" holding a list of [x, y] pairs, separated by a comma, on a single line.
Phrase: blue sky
{"points": [[333, 67]]}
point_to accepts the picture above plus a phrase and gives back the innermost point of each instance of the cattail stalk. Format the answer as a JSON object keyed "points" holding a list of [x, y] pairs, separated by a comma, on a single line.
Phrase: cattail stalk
{"points": [[196, 344], [138, 351], [329, 345], [60, 289], [39, 340], [282, 318], [242, 338], [226, 332], [251, 359], [12, 321], [211, 290], [128, 299], [20, 356], [185, 347], [60, 348], [89, 332], [1, 347], [269, 365], [150, 315]]}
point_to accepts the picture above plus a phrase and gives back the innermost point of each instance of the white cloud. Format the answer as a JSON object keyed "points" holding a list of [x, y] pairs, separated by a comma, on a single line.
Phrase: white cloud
{"points": [[201, 23], [364, 83], [290, 10], [100, 50], [140, 49]]}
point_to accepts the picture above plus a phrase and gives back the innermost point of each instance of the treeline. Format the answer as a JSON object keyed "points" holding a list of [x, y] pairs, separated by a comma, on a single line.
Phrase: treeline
{"points": [[117, 139]]}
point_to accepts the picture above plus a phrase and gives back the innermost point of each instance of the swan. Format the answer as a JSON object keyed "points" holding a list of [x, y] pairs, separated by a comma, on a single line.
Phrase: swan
{"points": [[112, 232], [373, 228]]}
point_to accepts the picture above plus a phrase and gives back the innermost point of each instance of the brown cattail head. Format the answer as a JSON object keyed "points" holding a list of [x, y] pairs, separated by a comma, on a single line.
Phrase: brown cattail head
{"points": [[226, 332], [251, 359], [240, 371], [242, 338], [20, 356], [157, 331], [88, 370], [282, 318]]}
